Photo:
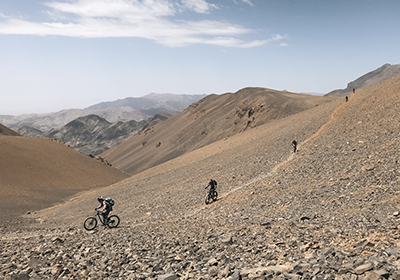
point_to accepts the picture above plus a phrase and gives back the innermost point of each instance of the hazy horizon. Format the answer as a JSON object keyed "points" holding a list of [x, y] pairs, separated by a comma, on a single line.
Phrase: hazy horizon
{"points": [[72, 54]]}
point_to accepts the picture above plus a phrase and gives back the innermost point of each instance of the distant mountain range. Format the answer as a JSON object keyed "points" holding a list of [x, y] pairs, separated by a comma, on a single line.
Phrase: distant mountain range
{"points": [[93, 135], [131, 108], [95, 129], [382, 73]]}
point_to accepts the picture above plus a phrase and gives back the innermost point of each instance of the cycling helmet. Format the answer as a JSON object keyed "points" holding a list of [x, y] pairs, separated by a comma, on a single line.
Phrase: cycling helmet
{"points": [[100, 198]]}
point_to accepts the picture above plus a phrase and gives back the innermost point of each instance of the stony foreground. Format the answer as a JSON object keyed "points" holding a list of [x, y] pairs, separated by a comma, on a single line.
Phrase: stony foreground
{"points": [[330, 211], [252, 249]]}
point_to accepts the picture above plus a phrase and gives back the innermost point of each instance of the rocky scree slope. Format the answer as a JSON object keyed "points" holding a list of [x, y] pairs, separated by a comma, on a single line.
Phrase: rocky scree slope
{"points": [[328, 212], [165, 227], [211, 119]]}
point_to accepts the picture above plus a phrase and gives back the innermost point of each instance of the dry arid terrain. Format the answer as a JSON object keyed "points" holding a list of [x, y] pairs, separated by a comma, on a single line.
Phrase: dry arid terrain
{"points": [[329, 211], [39, 172], [213, 118]]}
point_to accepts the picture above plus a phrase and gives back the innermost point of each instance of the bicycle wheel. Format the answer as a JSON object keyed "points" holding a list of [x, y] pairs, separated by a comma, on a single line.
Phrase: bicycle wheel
{"points": [[215, 196], [90, 223], [113, 221], [207, 199]]}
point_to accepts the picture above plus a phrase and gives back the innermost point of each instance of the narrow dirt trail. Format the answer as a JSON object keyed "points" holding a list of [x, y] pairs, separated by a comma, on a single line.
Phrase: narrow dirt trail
{"points": [[262, 177], [338, 111], [333, 116]]}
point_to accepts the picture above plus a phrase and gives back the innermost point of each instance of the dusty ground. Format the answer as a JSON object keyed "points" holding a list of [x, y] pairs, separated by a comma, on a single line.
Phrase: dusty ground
{"points": [[213, 118], [329, 211], [37, 173]]}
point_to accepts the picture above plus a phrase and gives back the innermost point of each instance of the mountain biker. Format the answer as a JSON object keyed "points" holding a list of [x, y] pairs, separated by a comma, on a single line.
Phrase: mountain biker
{"points": [[105, 208], [294, 143], [212, 184]]}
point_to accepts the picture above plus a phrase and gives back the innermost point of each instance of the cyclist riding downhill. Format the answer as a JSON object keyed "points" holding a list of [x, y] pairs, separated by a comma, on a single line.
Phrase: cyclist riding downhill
{"points": [[105, 207], [212, 184], [294, 143], [212, 195]]}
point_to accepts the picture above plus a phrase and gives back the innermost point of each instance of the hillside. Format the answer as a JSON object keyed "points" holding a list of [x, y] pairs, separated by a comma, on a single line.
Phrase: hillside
{"points": [[330, 211], [6, 131], [40, 172], [93, 135], [211, 119], [382, 73]]}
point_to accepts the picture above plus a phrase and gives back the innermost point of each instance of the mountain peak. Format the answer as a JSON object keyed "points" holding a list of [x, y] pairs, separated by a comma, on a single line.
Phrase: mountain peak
{"points": [[380, 74]]}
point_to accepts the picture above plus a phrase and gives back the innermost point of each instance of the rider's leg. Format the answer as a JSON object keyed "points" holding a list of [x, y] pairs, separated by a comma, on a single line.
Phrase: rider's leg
{"points": [[105, 216]]}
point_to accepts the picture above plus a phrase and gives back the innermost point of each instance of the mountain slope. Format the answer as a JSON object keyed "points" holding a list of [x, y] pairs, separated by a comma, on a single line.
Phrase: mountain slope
{"points": [[39, 172], [385, 72], [6, 131], [204, 122], [330, 211], [93, 135]]}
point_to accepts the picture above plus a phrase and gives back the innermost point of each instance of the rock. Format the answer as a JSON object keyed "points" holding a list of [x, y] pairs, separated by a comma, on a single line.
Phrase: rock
{"points": [[227, 239], [394, 252], [369, 275], [363, 268], [56, 269], [235, 275], [381, 273], [306, 217], [212, 262], [167, 277], [57, 240], [21, 276], [258, 270], [180, 258], [213, 271]]}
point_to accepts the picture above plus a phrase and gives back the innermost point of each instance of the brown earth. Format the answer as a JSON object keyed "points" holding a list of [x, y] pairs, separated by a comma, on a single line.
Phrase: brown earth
{"points": [[39, 172], [330, 211], [6, 131], [213, 118]]}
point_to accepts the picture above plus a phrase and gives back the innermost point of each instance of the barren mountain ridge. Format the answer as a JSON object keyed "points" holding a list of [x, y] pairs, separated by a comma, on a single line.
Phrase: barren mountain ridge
{"points": [[329, 211]]}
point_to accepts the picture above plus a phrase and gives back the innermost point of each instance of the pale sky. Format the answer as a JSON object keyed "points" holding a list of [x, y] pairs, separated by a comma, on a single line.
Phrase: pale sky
{"points": [[63, 54]]}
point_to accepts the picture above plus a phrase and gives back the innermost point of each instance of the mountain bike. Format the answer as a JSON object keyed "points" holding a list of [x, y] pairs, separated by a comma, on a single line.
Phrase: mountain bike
{"points": [[91, 222], [211, 196]]}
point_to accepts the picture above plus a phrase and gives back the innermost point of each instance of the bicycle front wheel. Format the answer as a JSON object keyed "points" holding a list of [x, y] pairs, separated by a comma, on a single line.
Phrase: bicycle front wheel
{"points": [[113, 221], [90, 223]]}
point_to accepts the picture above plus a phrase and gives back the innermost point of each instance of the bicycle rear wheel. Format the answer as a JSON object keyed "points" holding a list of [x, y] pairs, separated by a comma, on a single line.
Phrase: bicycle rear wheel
{"points": [[90, 223], [207, 201], [113, 221]]}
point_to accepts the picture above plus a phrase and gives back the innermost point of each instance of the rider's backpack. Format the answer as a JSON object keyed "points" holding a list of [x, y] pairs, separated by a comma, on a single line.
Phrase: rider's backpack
{"points": [[215, 183], [110, 202]]}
